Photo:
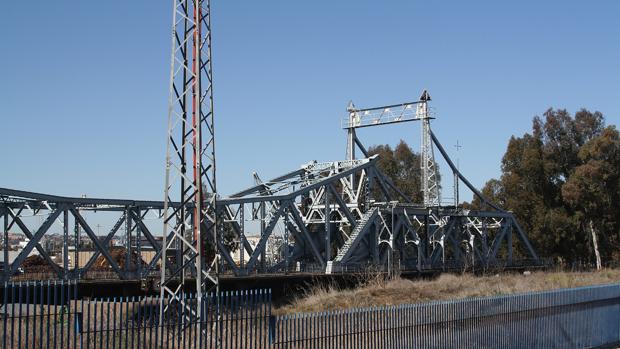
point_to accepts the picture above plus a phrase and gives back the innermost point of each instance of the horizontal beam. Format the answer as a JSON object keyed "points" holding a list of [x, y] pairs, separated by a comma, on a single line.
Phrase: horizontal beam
{"points": [[391, 106], [389, 114], [265, 185], [20, 195], [378, 122], [297, 193]]}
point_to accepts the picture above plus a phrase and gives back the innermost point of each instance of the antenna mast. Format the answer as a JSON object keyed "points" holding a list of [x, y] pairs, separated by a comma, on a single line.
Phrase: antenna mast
{"points": [[189, 246]]}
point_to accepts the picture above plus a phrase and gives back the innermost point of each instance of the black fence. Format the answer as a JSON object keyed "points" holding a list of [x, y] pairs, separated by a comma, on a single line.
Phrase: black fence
{"points": [[587, 317], [52, 315]]}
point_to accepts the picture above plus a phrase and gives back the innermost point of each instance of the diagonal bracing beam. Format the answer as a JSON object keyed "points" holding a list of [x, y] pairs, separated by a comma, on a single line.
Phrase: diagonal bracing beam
{"points": [[106, 241], [17, 220], [36, 238], [263, 240], [299, 222], [78, 217]]}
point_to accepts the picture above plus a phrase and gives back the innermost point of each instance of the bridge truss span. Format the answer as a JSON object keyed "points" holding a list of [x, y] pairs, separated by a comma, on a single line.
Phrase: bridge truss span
{"points": [[73, 223], [325, 217]]}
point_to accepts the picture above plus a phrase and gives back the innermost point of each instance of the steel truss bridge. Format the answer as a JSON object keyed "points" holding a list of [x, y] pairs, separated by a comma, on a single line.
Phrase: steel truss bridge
{"points": [[332, 217]]}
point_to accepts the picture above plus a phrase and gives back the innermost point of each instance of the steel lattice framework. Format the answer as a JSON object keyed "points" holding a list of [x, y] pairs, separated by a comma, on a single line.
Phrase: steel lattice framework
{"points": [[430, 185], [190, 230]]}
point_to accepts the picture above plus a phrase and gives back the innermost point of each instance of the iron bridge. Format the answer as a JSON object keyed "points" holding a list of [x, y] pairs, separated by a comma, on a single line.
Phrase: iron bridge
{"points": [[323, 218]]}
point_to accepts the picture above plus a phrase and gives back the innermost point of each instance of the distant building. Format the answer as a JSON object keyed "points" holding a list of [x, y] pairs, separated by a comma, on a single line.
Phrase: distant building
{"points": [[271, 248], [12, 255]]}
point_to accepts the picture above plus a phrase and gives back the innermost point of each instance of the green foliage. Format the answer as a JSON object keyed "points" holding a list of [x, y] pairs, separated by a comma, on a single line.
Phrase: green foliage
{"points": [[402, 166], [559, 179]]}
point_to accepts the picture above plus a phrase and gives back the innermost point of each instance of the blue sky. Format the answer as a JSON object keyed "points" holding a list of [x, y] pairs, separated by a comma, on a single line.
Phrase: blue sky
{"points": [[84, 84]]}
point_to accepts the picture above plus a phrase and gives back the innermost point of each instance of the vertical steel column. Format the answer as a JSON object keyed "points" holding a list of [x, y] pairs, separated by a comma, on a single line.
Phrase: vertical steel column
{"points": [[286, 238], [138, 244], [65, 243], [5, 243], [351, 140], [327, 226], [241, 236], [509, 242], [368, 189], [76, 252], [422, 242], [430, 186], [391, 250], [443, 250], [128, 229], [263, 227], [456, 189], [485, 244], [402, 236], [374, 242], [210, 142]]}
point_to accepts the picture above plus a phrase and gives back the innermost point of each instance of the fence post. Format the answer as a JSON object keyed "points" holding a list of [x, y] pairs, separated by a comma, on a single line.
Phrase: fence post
{"points": [[272, 329]]}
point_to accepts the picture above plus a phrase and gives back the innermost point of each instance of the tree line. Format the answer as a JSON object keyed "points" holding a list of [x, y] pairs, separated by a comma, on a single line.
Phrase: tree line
{"points": [[562, 181]]}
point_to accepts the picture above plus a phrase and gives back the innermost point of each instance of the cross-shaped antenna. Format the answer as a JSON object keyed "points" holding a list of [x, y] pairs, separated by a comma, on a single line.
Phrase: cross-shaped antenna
{"points": [[458, 147]]}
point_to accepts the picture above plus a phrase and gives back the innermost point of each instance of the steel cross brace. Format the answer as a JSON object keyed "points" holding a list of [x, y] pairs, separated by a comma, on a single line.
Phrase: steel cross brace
{"points": [[17, 263], [97, 243]]}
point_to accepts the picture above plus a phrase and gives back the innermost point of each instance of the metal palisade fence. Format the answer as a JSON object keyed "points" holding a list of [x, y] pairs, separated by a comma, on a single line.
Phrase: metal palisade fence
{"points": [[54, 315], [571, 318]]}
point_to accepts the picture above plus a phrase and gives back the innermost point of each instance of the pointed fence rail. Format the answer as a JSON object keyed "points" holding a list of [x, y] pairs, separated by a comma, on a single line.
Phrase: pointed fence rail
{"points": [[572, 318], [53, 315]]}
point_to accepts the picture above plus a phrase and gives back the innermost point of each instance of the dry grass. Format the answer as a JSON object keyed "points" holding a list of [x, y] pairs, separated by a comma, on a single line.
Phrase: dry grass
{"points": [[447, 286]]}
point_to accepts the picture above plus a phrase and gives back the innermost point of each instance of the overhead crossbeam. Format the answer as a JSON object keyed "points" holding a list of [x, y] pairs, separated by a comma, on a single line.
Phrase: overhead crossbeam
{"points": [[388, 114]]}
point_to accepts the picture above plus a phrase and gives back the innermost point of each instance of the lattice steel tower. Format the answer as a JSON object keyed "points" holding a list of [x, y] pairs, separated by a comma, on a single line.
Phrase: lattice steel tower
{"points": [[430, 183], [190, 238]]}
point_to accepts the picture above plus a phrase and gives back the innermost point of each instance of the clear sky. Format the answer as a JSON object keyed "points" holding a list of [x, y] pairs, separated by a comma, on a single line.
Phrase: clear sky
{"points": [[84, 84]]}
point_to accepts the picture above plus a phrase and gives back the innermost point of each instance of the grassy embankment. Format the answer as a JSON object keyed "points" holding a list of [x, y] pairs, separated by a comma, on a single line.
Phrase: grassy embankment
{"points": [[377, 291]]}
